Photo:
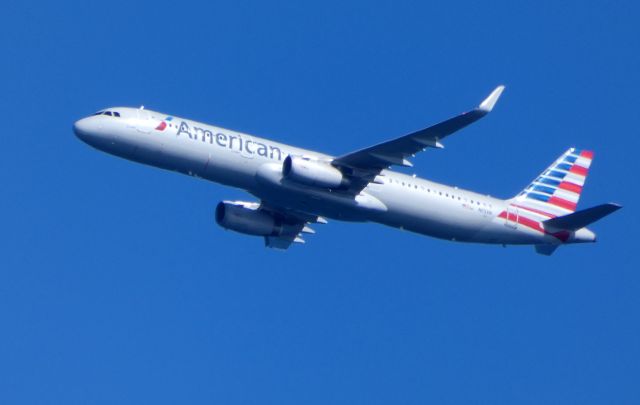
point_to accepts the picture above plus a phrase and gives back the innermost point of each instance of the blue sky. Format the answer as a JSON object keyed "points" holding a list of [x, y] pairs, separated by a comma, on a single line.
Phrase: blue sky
{"points": [[117, 286]]}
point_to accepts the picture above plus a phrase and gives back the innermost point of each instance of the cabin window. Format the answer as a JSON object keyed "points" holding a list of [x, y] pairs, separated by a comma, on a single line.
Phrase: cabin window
{"points": [[116, 114]]}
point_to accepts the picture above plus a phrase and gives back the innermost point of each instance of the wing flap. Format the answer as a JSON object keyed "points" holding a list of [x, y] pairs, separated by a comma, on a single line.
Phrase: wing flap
{"points": [[292, 226], [281, 242]]}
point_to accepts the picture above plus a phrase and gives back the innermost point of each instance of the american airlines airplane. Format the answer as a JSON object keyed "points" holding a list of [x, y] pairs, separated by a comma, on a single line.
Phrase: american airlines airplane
{"points": [[297, 187]]}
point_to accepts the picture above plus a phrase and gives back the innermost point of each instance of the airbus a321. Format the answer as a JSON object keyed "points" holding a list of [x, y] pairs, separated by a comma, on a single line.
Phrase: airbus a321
{"points": [[296, 188]]}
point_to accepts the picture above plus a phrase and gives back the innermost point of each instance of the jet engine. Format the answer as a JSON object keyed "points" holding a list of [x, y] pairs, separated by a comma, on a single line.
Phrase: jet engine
{"points": [[245, 218], [312, 172]]}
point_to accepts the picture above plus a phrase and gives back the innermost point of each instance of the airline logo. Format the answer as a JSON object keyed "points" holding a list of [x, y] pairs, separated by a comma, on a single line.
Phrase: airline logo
{"points": [[235, 142], [554, 193], [163, 123], [561, 184]]}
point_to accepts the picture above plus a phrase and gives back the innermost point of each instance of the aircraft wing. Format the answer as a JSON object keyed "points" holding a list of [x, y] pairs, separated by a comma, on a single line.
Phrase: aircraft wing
{"points": [[292, 226], [396, 151]]}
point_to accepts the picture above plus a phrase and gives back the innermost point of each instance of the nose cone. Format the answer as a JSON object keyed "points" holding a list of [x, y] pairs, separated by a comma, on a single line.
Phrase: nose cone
{"points": [[93, 131], [83, 128]]}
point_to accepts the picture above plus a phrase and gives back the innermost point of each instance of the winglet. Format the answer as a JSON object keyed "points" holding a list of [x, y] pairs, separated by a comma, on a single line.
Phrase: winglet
{"points": [[489, 102]]}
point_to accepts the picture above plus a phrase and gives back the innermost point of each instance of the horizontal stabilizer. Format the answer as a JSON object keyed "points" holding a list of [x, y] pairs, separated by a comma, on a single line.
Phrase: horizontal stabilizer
{"points": [[580, 219]]}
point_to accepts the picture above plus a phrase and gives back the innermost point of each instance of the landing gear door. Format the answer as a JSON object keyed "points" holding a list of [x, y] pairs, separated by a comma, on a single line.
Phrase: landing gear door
{"points": [[511, 221]]}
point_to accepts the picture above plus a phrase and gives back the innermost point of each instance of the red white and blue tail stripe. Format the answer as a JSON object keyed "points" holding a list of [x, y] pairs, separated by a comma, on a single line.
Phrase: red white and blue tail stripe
{"points": [[557, 190]]}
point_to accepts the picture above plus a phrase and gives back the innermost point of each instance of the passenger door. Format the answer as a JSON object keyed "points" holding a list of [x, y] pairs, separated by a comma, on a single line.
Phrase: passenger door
{"points": [[149, 142], [143, 123]]}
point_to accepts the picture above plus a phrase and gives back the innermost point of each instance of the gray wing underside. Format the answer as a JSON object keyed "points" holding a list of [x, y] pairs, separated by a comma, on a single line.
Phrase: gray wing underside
{"points": [[397, 151]]}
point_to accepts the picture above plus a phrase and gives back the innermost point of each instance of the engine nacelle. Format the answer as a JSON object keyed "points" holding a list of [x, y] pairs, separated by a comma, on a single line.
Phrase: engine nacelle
{"points": [[245, 218], [312, 172]]}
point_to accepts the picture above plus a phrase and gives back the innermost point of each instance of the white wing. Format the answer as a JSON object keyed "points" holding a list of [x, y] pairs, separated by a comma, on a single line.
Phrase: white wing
{"points": [[396, 151]]}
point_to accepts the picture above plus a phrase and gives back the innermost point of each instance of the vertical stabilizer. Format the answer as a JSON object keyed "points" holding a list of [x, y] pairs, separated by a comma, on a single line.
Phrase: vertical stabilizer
{"points": [[556, 191]]}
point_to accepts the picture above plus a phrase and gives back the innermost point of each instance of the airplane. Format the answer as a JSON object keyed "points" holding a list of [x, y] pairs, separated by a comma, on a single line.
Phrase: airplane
{"points": [[297, 188]]}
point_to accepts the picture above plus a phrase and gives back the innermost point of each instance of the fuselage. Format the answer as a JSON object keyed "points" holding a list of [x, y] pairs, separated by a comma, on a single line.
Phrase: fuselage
{"points": [[255, 165]]}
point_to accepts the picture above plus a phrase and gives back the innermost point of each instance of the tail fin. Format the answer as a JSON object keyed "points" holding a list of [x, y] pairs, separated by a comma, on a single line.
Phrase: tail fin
{"points": [[556, 191]]}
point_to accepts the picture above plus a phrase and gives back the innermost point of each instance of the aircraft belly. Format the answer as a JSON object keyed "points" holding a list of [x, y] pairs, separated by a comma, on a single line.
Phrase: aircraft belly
{"points": [[496, 231], [227, 168], [436, 216], [181, 156], [319, 204], [429, 215]]}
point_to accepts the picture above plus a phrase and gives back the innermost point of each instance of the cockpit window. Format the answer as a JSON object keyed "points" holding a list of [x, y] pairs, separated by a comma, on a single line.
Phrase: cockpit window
{"points": [[109, 113]]}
